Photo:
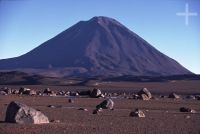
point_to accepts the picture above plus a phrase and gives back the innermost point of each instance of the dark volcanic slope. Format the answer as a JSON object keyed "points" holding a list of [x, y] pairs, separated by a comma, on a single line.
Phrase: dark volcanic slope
{"points": [[100, 46]]}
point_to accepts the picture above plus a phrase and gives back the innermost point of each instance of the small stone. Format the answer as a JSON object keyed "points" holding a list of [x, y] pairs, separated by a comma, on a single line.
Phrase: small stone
{"points": [[137, 113], [71, 100], [55, 121], [184, 109], [187, 117], [97, 111], [83, 109], [51, 106], [174, 96]]}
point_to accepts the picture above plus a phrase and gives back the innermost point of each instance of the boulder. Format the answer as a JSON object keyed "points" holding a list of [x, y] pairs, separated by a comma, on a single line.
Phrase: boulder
{"points": [[95, 93], [174, 96], [137, 113], [145, 94], [23, 114], [106, 104]]}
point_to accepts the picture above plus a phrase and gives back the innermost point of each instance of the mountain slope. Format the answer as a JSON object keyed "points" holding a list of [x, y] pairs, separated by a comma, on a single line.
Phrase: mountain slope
{"points": [[101, 46]]}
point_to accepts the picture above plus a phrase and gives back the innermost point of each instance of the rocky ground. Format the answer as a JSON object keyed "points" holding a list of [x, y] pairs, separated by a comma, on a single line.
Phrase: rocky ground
{"points": [[162, 116]]}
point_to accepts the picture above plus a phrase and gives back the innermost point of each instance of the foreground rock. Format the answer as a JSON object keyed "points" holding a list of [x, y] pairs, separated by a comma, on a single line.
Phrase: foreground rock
{"points": [[23, 114], [137, 113], [145, 94]]}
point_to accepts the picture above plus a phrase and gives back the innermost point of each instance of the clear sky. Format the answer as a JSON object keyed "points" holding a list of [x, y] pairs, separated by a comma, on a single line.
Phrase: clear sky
{"points": [[25, 24]]}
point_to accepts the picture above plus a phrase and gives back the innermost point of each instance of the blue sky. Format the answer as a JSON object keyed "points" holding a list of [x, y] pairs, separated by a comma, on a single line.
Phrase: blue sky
{"points": [[25, 24]]}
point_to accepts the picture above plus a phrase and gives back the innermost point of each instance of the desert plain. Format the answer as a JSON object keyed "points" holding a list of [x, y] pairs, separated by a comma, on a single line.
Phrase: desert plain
{"points": [[162, 114]]}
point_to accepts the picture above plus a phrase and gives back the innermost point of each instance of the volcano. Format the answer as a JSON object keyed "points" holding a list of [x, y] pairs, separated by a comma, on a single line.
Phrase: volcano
{"points": [[100, 46]]}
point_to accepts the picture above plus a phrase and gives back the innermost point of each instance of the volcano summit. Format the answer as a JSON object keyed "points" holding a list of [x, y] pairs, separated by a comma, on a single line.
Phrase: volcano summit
{"points": [[99, 47]]}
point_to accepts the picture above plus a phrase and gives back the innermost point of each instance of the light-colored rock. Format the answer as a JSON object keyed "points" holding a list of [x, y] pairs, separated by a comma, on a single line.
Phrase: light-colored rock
{"points": [[24, 90], [106, 104], [95, 93], [23, 114], [3, 93], [32, 92], [145, 94], [174, 96]]}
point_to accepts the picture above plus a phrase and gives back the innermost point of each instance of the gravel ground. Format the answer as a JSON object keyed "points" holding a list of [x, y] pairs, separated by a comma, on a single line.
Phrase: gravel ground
{"points": [[162, 116]]}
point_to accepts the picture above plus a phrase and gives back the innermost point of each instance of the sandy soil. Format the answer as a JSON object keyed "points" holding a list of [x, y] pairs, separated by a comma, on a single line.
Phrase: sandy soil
{"points": [[162, 116]]}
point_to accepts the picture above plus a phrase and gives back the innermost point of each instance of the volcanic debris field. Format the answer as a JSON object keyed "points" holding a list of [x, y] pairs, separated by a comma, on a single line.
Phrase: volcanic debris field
{"points": [[71, 109]]}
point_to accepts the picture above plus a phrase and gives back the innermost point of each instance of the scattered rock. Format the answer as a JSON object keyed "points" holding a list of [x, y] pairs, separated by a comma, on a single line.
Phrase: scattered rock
{"points": [[190, 97], [24, 90], [197, 97], [47, 91], [71, 100], [95, 93], [55, 121], [74, 94], [3, 93], [7, 90], [15, 91], [145, 94], [23, 114], [187, 117], [137, 113], [106, 104], [32, 92], [83, 109], [184, 109], [52, 93], [174, 96], [97, 111], [135, 96], [85, 92], [51, 106]]}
